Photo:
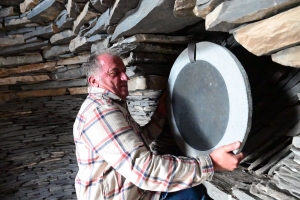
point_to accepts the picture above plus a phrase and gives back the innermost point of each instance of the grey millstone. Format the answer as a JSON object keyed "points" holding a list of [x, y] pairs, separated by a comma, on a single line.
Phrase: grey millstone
{"points": [[62, 37], [11, 40], [157, 14], [98, 5], [184, 8], [46, 11], [63, 21], [44, 32], [231, 14], [119, 9], [54, 51], [12, 61], [100, 26], [203, 7], [9, 11], [296, 141], [23, 48]]}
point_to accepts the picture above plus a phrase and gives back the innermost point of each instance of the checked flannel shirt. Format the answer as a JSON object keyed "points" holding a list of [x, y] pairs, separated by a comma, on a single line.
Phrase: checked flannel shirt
{"points": [[114, 158]]}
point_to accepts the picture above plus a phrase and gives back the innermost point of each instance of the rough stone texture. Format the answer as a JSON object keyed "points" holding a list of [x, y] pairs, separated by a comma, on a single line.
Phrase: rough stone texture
{"points": [[204, 7], [63, 21], [44, 32], [42, 93], [79, 90], [98, 6], [23, 79], [135, 58], [86, 28], [100, 26], [42, 67], [288, 57], [63, 37], [156, 39], [147, 82], [184, 8], [28, 5], [99, 46], [23, 48], [46, 11], [75, 60], [155, 14], [268, 32], [52, 53], [81, 44], [119, 9], [18, 23], [148, 69], [85, 16], [20, 60], [74, 9], [55, 84], [70, 74], [231, 14], [296, 141], [9, 11], [20, 31], [11, 40]]}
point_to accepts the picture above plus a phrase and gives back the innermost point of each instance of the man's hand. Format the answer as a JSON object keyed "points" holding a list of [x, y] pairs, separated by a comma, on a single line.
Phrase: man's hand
{"points": [[161, 106], [224, 159]]}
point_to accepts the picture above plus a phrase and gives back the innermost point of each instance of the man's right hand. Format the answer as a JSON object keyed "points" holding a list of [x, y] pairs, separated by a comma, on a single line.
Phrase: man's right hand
{"points": [[224, 159]]}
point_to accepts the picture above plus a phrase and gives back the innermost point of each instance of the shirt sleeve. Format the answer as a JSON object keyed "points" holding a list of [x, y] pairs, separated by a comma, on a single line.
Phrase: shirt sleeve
{"points": [[107, 133]]}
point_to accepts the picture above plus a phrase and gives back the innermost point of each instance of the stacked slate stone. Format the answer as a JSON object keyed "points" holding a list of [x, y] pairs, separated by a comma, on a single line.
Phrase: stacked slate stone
{"points": [[45, 43]]}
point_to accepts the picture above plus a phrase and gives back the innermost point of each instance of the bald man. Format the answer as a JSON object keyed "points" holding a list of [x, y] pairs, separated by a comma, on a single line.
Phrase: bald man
{"points": [[113, 153]]}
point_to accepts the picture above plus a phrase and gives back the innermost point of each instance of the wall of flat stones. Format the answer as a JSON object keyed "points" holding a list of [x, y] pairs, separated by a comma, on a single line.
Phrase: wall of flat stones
{"points": [[43, 48]]}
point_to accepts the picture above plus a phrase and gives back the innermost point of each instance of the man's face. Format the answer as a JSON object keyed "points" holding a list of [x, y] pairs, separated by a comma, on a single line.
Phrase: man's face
{"points": [[112, 75]]}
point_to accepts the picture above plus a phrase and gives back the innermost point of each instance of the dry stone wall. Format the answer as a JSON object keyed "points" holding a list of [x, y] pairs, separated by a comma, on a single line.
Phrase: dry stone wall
{"points": [[44, 45]]}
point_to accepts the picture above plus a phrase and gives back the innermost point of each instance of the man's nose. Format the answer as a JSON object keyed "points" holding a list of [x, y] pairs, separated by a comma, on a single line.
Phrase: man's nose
{"points": [[124, 77]]}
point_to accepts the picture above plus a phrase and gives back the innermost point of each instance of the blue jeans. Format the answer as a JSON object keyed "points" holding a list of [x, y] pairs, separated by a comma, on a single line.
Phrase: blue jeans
{"points": [[194, 193]]}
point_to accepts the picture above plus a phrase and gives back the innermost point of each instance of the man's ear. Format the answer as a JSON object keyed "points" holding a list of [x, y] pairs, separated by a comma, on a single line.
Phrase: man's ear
{"points": [[92, 80]]}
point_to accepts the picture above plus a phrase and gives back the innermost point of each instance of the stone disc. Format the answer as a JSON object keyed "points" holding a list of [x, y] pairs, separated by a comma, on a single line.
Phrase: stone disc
{"points": [[209, 100]]}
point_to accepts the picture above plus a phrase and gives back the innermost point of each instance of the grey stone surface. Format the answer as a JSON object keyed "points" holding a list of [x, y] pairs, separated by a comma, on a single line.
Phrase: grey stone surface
{"points": [[136, 57], [46, 11], [147, 82], [119, 9], [204, 7], [288, 57], [28, 5], [147, 69], [74, 9], [85, 16], [10, 2], [52, 53], [100, 26], [21, 30], [75, 60], [63, 21], [23, 48], [55, 84], [86, 28], [44, 32], [34, 39], [11, 40], [100, 45], [296, 141], [70, 74], [18, 23], [282, 162], [98, 5], [9, 11], [155, 14], [184, 8], [231, 14], [63, 37], [12, 61]]}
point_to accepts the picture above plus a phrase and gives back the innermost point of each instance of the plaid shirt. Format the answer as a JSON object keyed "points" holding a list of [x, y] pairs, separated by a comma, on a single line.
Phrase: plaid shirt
{"points": [[114, 158]]}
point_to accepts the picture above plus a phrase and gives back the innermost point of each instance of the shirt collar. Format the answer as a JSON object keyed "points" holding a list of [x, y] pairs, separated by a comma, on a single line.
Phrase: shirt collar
{"points": [[103, 92]]}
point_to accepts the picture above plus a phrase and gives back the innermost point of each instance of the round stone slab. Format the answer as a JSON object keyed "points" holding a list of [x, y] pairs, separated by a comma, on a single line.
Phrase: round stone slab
{"points": [[209, 100]]}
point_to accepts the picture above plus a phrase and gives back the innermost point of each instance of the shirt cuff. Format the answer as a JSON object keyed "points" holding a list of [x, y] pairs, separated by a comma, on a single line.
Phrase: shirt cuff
{"points": [[207, 168]]}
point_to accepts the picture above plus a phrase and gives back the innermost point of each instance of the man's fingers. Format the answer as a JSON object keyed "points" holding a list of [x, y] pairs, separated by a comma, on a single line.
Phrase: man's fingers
{"points": [[232, 146], [240, 156]]}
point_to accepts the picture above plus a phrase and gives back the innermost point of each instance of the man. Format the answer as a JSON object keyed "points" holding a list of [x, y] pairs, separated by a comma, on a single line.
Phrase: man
{"points": [[113, 153]]}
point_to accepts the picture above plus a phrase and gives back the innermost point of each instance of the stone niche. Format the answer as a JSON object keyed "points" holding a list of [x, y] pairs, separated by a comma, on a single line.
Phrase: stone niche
{"points": [[44, 45]]}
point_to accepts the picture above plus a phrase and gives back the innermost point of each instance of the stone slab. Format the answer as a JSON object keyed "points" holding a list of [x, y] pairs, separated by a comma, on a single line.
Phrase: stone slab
{"points": [[18, 23], [10, 2], [147, 82], [12, 61], [288, 57], [55, 84], [63, 37], [44, 32], [11, 40], [296, 141], [204, 7], [21, 31], [100, 26], [74, 9], [23, 48], [184, 8], [70, 74], [41, 67], [119, 9], [98, 5], [100, 46], [23, 79], [157, 14], [9, 11], [75, 60], [231, 14], [28, 5], [42, 93], [63, 21], [136, 57], [269, 31], [46, 11], [78, 90], [52, 53]]}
